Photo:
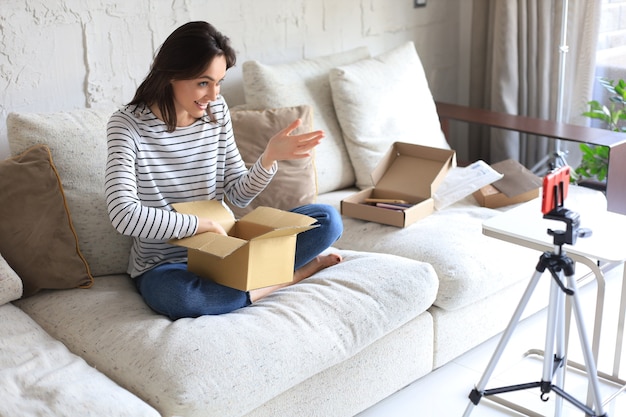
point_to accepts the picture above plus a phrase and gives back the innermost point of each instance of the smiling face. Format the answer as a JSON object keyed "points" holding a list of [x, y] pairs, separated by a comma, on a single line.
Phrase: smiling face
{"points": [[192, 97]]}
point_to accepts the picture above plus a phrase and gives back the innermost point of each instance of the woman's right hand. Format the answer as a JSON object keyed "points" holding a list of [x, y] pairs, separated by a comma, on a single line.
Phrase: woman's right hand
{"points": [[208, 225]]}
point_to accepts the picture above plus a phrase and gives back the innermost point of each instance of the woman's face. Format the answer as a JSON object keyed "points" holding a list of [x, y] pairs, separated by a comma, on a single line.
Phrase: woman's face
{"points": [[192, 97]]}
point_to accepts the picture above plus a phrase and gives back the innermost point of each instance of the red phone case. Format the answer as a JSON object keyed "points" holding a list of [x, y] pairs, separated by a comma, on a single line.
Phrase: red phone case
{"points": [[555, 187]]}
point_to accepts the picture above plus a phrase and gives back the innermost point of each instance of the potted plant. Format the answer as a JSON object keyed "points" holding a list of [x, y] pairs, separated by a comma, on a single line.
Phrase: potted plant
{"points": [[595, 159]]}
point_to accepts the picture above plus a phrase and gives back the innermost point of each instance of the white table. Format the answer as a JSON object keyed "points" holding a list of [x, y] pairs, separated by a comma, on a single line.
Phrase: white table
{"points": [[524, 225]]}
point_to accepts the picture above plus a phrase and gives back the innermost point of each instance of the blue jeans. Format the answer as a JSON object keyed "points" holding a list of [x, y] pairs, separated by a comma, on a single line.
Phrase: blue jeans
{"points": [[171, 290]]}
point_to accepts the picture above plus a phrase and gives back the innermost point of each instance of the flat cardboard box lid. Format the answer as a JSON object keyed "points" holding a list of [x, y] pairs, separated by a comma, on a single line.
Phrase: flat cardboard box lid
{"points": [[412, 170], [517, 178]]}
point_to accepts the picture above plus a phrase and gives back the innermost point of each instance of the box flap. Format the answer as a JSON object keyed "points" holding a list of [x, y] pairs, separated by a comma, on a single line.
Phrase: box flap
{"points": [[276, 219], [284, 231], [212, 209], [413, 170], [211, 243]]}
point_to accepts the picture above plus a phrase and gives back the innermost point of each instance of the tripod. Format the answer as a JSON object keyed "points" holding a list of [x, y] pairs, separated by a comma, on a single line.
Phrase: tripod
{"points": [[560, 266]]}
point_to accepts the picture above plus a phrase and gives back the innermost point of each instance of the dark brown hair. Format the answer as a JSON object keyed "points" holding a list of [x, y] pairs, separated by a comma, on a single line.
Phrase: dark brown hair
{"points": [[184, 55]]}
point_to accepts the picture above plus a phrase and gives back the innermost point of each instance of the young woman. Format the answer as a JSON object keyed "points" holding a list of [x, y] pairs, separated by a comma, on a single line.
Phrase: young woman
{"points": [[174, 142]]}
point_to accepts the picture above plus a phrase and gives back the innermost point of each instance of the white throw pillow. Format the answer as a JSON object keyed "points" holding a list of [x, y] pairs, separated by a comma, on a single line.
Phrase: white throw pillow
{"points": [[382, 100], [305, 82]]}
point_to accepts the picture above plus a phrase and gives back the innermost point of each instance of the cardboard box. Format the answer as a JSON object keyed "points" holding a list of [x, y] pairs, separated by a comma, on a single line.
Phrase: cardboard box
{"points": [[258, 252], [408, 172], [518, 185]]}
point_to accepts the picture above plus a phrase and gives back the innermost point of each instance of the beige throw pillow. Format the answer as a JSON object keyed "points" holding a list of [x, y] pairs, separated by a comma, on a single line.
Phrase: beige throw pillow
{"points": [[38, 239], [295, 183], [382, 100]]}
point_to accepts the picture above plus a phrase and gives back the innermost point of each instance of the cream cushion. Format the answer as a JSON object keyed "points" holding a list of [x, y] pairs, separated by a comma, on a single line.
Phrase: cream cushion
{"points": [[77, 141], [466, 261], [10, 283], [305, 82], [39, 376], [229, 365], [470, 265], [382, 100]]}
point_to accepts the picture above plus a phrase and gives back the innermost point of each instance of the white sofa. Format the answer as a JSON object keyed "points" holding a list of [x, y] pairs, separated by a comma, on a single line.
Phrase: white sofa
{"points": [[403, 301]]}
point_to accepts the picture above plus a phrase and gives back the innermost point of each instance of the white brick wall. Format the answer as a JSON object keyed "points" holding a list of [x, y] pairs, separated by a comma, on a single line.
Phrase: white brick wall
{"points": [[67, 54]]}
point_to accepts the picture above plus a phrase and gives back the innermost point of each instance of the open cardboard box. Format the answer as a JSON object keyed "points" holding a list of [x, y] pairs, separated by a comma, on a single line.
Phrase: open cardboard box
{"points": [[408, 172], [258, 252], [516, 186]]}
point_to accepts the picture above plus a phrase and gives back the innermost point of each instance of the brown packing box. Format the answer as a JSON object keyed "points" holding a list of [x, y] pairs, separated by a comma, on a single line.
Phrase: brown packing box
{"points": [[258, 252], [407, 172], [517, 186]]}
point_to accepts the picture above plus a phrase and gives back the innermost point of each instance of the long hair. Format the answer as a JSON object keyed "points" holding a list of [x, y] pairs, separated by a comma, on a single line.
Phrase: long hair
{"points": [[184, 55]]}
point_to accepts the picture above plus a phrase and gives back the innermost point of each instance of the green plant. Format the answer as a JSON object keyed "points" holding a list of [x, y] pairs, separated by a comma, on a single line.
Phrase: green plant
{"points": [[595, 159], [594, 163], [615, 114]]}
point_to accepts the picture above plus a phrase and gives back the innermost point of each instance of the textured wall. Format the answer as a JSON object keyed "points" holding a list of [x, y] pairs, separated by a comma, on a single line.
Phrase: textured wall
{"points": [[68, 54]]}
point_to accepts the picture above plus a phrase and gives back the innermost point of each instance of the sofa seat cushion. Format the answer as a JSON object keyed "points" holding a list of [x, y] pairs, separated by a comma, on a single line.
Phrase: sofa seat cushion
{"points": [[470, 265], [41, 377], [231, 364]]}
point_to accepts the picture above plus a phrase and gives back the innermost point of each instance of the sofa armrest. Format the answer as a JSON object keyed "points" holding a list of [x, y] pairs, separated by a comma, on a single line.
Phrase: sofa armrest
{"points": [[615, 141]]}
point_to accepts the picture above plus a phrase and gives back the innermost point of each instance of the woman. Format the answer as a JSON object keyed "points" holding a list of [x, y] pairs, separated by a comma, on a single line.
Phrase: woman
{"points": [[174, 142]]}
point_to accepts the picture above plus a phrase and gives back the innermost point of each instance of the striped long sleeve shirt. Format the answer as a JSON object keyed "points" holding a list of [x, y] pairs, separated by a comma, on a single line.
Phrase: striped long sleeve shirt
{"points": [[148, 169]]}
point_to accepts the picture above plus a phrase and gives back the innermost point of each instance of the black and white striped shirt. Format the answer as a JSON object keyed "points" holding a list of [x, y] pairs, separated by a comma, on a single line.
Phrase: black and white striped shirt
{"points": [[149, 168]]}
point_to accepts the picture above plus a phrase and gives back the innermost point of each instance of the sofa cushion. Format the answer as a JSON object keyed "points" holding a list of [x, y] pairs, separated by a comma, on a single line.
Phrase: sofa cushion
{"points": [[231, 364], [295, 183], [77, 140], [38, 238], [300, 82], [470, 265], [39, 376], [11, 286], [382, 100]]}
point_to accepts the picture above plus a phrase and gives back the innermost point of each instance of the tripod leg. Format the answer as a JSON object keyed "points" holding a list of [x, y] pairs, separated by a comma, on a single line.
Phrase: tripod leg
{"points": [[477, 393], [553, 313], [561, 350], [554, 351], [592, 371]]}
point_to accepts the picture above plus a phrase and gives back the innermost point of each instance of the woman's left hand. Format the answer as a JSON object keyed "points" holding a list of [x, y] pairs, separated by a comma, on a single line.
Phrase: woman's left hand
{"points": [[283, 146]]}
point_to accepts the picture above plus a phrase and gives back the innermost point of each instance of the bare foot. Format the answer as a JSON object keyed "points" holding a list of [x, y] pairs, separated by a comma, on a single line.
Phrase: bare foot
{"points": [[320, 262]]}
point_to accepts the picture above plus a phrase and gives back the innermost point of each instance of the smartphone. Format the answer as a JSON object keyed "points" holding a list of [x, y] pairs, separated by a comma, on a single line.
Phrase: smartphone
{"points": [[555, 187]]}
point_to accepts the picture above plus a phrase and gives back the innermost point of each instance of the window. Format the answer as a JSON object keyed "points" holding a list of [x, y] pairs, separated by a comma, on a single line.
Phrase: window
{"points": [[611, 48]]}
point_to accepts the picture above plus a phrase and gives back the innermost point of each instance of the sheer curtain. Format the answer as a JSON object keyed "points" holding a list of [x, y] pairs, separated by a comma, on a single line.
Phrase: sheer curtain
{"points": [[514, 69]]}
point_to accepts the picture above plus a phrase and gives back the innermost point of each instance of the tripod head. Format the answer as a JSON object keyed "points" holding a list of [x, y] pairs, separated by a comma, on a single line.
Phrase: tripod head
{"points": [[572, 231], [555, 187]]}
